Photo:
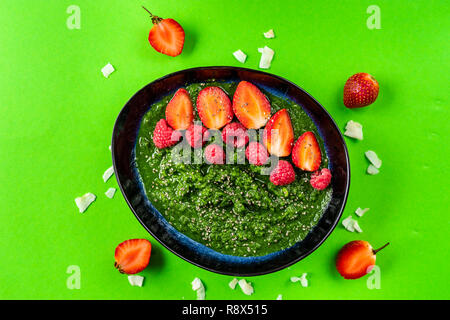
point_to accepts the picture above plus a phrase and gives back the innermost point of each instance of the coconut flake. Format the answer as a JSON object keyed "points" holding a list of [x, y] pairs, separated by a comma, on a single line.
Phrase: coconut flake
{"points": [[303, 281], [233, 283], [110, 192], [356, 226], [107, 70], [136, 281], [108, 173], [371, 169], [280, 297], [246, 287], [266, 57], [373, 158], [198, 286], [269, 34], [360, 212], [85, 201], [348, 224], [354, 130], [240, 56]]}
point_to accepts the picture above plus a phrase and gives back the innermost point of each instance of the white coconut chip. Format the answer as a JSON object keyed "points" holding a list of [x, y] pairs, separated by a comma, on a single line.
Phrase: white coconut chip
{"points": [[356, 226], [108, 173], [371, 169], [360, 212], [351, 225], [373, 158], [107, 70], [233, 283], [240, 56], [303, 281], [198, 286], [85, 201], [136, 281], [246, 287], [348, 224], [280, 297], [269, 34], [354, 130], [266, 57], [110, 192]]}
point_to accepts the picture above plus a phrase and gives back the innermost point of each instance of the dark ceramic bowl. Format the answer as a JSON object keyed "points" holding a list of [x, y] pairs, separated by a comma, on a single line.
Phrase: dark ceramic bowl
{"points": [[123, 153]]}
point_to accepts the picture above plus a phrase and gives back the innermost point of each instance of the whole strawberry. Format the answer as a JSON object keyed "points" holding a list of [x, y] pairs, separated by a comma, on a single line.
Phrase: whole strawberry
{"points": [[282, 174], [360, 90], [164, 136]]}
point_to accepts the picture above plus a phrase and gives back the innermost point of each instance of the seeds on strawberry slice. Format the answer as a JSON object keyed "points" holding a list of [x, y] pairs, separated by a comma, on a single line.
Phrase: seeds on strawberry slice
{"points": [[278, 134], [214, 107], [282, 174], [306, 153], [166, 36], [179, 111], [132, 256], [250, 105]]}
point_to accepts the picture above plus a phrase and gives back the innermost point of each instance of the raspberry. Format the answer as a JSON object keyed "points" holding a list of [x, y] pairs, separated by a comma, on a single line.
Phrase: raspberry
{"points": [[235, 134], [214, 154], [282, 174], [164, 136], [196, 135], [256, 153], [320, 179]]}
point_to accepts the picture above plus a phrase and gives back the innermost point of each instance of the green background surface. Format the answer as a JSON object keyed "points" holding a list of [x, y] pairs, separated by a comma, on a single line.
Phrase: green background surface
{"points": [[58, 113]]}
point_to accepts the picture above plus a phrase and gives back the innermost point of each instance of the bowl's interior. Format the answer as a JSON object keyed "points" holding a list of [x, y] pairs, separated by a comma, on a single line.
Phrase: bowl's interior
{"points": [[123, 149]]}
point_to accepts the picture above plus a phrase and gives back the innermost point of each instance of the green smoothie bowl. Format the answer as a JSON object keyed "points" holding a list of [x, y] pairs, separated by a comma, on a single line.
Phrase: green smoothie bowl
{"points": [[237, 171]]}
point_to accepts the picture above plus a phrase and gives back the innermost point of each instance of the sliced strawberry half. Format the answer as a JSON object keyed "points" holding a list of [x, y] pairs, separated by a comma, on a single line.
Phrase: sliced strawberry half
{"points": [[166, 36], [250, 105], [214, 107], [132, 256], [278, 134], [306, 153], [179, 111]]}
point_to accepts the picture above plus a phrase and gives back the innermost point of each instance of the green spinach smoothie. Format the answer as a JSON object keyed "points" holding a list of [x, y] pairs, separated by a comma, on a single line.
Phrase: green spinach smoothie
{"points": [[230, 208]]}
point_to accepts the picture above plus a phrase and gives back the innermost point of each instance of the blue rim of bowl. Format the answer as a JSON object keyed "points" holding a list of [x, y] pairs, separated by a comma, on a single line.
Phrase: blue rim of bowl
{"points": [[215, 254]]}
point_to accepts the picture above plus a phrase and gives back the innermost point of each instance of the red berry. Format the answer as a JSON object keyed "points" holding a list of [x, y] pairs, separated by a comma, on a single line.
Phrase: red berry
{"points": [[196, 135], [360, 90], [179, 111], [250, 105], [256, 153], [282, 174], [356, 259], [164, 136], [166, 36], [132, 256], [214, 154], [278, 134], [320, 179], [214, 107], [306, 153], [235, 134]]}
